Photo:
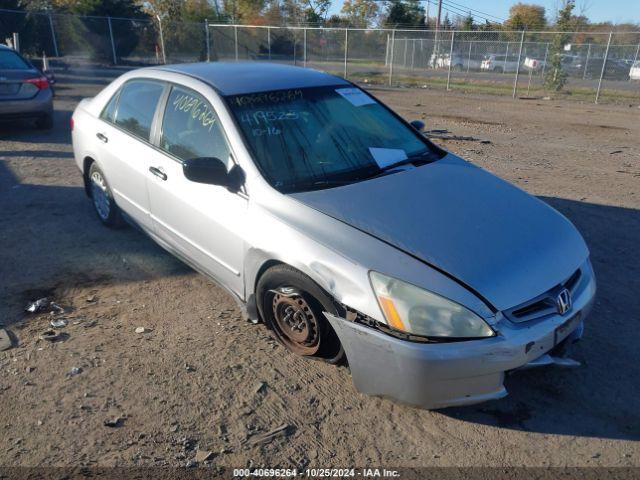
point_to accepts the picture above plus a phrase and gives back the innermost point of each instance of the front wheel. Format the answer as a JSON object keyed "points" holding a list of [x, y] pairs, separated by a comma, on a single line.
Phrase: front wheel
{"points": [[291, 305]]}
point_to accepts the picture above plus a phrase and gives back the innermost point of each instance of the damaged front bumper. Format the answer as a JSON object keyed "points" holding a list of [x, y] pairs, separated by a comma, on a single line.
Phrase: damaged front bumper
{"points": [[437, 375]]}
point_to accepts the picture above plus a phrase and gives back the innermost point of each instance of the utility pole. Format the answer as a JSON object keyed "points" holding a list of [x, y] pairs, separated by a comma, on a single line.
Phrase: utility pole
{"points": [[439, 14], [436, 47], [426, 17]]}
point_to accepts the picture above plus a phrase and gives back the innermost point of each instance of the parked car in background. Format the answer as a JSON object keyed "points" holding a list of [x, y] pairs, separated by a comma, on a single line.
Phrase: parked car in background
{"points": [[297, 191], [499, 63], [25, 93], [533, 64], [634, 73], [463, 62]]}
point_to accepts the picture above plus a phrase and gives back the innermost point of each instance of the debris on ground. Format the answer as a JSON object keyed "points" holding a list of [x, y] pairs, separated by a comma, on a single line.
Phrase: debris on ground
{"points": [[43, 304], [615, 151], [141, 330], [91, 299], [189, 368], [114, 422], [446, 135], [203, 456], [260, 386], [5, 340], [263, 438], [76, 371], [37, 305], [55, 308], [59, 322], [52, 336]]}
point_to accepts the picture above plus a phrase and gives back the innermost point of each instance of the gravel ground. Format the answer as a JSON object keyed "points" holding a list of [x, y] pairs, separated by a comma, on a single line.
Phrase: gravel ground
{"points": [[201, 380]]}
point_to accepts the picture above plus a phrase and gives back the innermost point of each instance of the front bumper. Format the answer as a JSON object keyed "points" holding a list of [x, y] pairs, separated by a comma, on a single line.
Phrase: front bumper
{"points": [[437, 375]]}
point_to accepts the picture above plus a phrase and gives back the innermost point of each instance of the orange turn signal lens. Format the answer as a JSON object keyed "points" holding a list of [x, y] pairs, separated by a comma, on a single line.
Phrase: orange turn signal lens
{"points": [[390, 312]]}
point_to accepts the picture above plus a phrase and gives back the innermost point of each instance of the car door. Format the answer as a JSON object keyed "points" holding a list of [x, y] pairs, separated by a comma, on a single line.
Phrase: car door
{"points": [[202, 222], [123, 153]]}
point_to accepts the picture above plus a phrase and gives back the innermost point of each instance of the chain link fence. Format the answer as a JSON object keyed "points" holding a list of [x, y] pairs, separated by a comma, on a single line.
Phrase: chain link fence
{"points": [[581, 65]]}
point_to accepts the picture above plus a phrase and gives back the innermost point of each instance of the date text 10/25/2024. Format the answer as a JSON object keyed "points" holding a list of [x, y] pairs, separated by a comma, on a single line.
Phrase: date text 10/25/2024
{"points": [[316, 472]]}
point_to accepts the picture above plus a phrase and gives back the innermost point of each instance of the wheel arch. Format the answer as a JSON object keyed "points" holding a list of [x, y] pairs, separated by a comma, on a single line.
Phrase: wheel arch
{"points": [[86, 166]]}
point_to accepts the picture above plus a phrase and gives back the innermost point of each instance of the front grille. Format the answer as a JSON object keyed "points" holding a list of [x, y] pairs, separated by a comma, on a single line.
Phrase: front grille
{"points": [[544, 304]]}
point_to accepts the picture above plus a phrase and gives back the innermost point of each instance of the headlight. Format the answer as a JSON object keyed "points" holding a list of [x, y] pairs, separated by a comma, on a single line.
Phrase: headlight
{"points": [[419, 312]]}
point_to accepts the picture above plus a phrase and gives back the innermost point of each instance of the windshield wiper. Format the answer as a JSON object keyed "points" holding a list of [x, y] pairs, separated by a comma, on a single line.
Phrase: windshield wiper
{"points": [[419, 158], [422, 157]]}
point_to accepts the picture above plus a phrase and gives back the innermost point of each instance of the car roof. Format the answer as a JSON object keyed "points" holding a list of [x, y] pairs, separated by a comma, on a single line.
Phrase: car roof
{"points": [[235, 78]]}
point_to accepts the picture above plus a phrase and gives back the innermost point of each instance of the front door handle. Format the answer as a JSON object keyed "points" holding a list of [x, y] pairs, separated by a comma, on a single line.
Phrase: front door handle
{"points": [[102, 137], [158, 172]]}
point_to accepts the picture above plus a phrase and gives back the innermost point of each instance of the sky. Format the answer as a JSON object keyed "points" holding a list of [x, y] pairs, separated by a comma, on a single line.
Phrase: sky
{"points": [[616, 11]]}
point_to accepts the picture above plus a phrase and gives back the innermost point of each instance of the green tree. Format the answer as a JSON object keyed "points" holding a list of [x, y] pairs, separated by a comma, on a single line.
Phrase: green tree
{"points": [[467, 23], [555, 77], [360, 12], [524, 16], [404, 12]]}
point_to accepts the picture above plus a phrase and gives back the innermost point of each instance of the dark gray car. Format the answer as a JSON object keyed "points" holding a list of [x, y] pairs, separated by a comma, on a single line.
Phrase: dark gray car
{"points": [[25, 93]]}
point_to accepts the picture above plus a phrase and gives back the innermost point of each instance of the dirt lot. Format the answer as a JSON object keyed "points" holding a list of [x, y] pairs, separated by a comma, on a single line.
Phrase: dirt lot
{"points": [[201, 378]]}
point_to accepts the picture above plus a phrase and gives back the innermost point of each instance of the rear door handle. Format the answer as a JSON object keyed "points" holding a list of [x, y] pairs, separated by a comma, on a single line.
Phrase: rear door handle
{"points": [[158, 172], [102, 137]]}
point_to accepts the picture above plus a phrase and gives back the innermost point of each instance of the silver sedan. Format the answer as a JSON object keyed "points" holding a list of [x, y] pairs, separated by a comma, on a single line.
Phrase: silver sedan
{"points": [[339, 225]]}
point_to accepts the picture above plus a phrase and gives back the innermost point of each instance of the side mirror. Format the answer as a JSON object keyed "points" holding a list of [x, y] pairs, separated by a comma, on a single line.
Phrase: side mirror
{"points": [[213, 171], [418, 125]]}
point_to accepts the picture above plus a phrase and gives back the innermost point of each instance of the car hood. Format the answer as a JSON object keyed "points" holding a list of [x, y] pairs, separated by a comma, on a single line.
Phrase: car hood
{"points": [[498, 240]]}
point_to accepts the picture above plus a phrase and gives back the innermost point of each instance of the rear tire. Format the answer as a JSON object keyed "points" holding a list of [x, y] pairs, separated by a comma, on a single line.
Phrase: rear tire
{"points": [[45, 122], [294, 314], [102, 198]]}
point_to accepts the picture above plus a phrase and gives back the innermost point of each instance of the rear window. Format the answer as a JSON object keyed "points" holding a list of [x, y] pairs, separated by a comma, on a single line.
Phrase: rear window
{"points": [[137, 105], [10, 60]]}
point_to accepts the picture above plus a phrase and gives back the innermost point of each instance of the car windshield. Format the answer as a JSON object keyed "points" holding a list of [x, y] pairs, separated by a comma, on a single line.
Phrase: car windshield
{"points": [[11, 61], [313, 138]]}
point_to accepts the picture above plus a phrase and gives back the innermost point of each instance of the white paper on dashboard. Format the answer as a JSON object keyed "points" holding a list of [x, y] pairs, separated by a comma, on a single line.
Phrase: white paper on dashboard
{"points": [[387, 156], [356, 96]]}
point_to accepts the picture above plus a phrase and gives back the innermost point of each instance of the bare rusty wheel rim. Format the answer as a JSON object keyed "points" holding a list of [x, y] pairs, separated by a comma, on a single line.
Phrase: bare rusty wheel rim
{"points": [[295, 324]]}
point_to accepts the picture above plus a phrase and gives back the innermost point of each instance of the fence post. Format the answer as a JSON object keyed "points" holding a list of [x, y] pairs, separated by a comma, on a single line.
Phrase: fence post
{"points": [[304, 36], [15, 37], [113, 43], [53, 37], [469, 58], [164, 57], [544, 62], [206, 37], [453, 35], [235, 39], [413, 52], [295, 62], [346, 50], [506, 56], [604, 64], [635, 59], [404, 58], [269, 41], [515, 82], [586, 62], [386, 53], [393, 46]]}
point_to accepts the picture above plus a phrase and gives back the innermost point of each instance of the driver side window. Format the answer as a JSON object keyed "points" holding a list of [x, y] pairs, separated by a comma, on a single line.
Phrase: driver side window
{"points": [[191, 129]]}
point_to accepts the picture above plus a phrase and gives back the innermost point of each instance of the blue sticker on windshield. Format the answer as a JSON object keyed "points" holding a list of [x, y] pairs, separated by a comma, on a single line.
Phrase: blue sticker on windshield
{"points": [[356, 96]]}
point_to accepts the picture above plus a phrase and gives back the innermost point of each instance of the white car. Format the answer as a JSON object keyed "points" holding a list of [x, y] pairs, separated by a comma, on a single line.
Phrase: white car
{"points": [[634, 73], [500, 64], [338, 225]]}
